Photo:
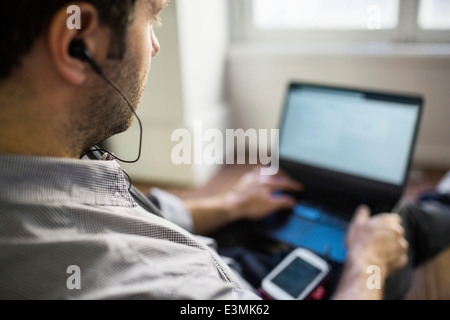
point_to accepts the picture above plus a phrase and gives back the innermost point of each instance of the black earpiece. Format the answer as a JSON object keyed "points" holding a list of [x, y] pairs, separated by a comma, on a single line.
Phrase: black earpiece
{"points": [[77, 49]]}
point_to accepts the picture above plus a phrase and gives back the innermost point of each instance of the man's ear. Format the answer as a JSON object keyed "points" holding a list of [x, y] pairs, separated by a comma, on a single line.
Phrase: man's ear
{"points": [[60, 36]]}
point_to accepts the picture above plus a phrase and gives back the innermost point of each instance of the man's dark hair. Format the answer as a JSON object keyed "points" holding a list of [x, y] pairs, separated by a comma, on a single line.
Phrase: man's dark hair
{"points": [[23, 21]]}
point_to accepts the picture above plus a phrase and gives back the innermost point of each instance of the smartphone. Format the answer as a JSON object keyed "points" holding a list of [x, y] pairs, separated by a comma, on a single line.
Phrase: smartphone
{"points": [[296, 276]]}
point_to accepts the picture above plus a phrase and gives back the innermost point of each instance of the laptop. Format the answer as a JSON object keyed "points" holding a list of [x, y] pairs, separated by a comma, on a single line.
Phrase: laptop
{"points": [[348, 147]]}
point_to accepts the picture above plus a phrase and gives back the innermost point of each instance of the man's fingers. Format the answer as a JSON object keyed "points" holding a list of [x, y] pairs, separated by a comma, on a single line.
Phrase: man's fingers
{"points": [[281, 183], [392, 217], [398, 229], [404, 244], [390, 221], [402, 259], [283, 202]]}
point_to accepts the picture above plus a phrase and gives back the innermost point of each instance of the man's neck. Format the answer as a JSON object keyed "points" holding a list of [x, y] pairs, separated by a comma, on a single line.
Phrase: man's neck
{"points": [[28, 143], [34, 131], [35, 117]]}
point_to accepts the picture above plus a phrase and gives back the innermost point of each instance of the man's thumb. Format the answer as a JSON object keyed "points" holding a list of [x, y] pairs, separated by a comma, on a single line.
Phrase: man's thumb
{"points": [[362, 214]]}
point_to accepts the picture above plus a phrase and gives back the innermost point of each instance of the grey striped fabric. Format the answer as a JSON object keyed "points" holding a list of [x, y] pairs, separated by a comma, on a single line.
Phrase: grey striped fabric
{"points": [[69, 229]]}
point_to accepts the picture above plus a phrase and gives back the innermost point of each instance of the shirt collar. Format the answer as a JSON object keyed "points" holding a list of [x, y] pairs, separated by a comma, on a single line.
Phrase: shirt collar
{"points": [[29, 179]]}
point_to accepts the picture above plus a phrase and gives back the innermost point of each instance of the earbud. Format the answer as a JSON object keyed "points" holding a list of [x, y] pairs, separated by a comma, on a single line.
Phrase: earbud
{"points": [[77, 49]]}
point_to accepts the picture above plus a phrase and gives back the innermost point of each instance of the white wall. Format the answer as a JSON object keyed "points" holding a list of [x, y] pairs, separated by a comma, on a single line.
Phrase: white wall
{"points": [[258, 76]]}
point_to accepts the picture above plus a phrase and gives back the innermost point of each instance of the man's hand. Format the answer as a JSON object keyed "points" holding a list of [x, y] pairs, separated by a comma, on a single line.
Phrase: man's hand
{"points": [[253, 197], [377, 240]]}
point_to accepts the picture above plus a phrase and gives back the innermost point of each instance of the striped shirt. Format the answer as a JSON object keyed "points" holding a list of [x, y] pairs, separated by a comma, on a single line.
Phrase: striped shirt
{"points": [[69, 229]]}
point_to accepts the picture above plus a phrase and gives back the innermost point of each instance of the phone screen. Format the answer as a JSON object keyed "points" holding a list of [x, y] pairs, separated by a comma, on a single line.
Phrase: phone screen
{"points": [[296, 277]]}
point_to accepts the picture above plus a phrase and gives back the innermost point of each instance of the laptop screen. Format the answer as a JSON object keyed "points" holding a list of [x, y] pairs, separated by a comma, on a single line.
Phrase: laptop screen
{"points": [[367, 135]]}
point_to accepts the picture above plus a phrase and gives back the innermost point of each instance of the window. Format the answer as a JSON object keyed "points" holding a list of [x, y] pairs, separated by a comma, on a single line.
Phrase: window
{"points": [[325, 14], [366, 20], [434, 14]]}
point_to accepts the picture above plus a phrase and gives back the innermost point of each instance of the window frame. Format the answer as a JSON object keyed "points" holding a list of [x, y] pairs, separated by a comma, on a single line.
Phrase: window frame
{"points": [[407, 31]]}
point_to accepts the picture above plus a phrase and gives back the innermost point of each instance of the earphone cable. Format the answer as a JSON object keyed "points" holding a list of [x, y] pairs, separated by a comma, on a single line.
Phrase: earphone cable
{"points": [[130, 105]]}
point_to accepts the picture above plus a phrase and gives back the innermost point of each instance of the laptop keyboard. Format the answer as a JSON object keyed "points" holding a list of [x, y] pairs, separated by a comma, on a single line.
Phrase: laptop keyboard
{"points": [[316, 227], [304, 211]]}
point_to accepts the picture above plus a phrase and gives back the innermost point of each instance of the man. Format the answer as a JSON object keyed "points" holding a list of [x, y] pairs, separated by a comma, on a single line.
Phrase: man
{"points": [[60, 214]]}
